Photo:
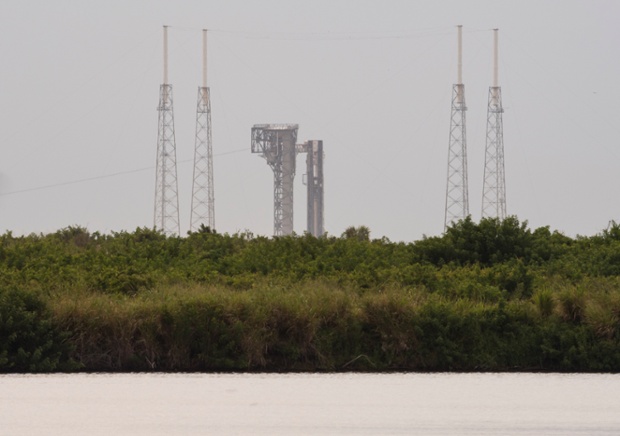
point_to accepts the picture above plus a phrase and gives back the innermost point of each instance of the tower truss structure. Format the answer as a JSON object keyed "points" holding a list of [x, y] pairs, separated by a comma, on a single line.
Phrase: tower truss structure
{"points": [[457, 190], [277, 145], [166, 216], [494, 186], [314, 182], [203, 197]]}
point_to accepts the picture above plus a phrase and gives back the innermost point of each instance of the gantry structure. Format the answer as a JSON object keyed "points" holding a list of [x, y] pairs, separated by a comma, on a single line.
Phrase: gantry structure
{"points": [[277, 145], [203, 197], [494, 187], [166, 214], [457, 190]]}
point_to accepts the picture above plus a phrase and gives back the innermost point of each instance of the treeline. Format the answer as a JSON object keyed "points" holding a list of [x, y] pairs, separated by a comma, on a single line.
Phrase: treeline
{"points": [[487, 296]]}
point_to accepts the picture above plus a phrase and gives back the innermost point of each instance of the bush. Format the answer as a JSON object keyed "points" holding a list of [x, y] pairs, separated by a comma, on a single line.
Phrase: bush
{"points": [[29, 342], [487, 243]]}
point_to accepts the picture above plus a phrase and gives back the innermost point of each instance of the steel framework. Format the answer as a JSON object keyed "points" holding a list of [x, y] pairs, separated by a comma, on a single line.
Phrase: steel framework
{"points": [[203, 197], [277, 145], [314, 182], [494, 186], [166, 185], [494, 191], [457, 191]]}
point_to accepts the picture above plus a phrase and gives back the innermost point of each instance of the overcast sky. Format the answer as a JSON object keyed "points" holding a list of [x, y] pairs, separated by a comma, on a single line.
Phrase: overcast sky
{"points": [[79, 87]]}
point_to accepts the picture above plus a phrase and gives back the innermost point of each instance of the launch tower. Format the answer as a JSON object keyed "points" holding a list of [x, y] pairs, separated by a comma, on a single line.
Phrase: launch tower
{"points": [[277, 145]]}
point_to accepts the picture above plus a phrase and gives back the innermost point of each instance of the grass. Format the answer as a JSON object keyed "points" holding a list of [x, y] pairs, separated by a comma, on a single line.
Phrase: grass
{"points": [[318, 325]]}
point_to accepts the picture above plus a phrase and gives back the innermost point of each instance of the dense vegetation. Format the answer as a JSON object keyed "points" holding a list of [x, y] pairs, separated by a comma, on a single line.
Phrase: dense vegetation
{"points": [[487, 296]]}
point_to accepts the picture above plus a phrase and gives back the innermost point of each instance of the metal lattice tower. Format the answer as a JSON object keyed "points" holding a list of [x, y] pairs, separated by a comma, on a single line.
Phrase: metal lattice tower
{"points": [[203, 198], [457, 191], [276, 143], [314, 182], [166, 185], [494, 188]]}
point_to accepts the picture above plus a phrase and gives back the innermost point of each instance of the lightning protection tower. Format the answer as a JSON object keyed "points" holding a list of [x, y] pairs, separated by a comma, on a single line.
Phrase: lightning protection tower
{"points": [[314, 182], [166, 185], [276, 143], [457, 191], [203, 199], [494, 187]]}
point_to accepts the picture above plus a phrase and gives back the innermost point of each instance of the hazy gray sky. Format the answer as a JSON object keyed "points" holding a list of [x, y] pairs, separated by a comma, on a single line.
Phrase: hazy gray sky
{"points": [[79, 84]]}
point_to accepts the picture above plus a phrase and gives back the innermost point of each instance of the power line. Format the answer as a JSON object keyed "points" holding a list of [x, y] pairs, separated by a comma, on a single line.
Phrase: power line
{"points": [[325, 35], [104, 176]]}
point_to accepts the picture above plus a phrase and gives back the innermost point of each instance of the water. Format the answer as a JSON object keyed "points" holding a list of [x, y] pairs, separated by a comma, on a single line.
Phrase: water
{"points": [[310, 404]]}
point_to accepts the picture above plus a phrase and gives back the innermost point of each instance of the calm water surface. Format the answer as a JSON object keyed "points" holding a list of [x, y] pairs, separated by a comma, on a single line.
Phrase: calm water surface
{"points": [[310, 404]]}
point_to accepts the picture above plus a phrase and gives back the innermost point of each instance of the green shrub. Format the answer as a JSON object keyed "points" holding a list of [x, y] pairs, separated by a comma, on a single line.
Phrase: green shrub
{"points": [[29, 342]]}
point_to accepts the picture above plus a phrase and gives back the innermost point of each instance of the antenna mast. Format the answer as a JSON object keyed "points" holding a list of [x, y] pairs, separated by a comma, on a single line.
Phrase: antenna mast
{"points": [[494, 188], [166, 216], [203, 197], [457, 191]]}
